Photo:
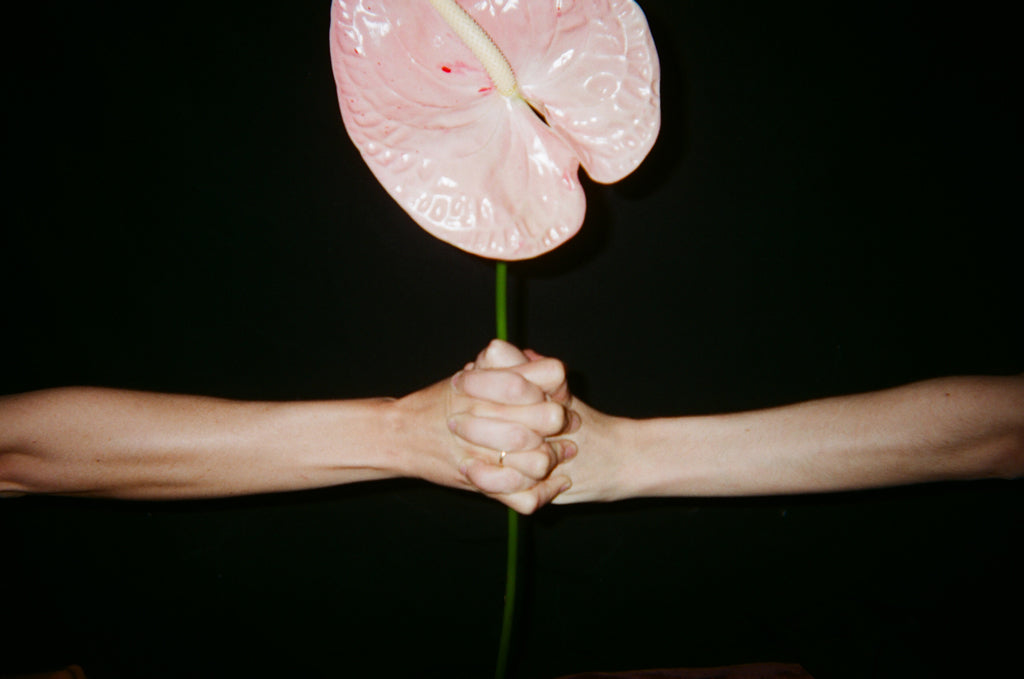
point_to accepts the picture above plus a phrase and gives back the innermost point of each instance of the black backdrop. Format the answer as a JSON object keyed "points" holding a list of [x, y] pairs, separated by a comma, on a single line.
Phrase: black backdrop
{"points": [[831, 207]]}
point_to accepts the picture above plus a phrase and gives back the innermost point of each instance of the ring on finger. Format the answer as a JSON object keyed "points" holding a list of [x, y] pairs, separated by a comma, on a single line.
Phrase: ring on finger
{"points": [[501, 458]]}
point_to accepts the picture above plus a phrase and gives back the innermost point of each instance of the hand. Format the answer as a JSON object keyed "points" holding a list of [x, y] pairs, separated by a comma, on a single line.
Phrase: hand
{"points": [[514, 405], [598, 473], [486, 411]]}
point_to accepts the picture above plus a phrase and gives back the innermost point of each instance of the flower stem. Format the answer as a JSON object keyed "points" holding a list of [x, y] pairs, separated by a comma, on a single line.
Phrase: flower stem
{"points": [[501, 299], [501, 315]]}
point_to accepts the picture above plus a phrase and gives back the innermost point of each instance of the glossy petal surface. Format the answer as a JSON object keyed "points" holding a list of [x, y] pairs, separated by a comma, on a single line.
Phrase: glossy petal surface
{"points": [[477, 169]]}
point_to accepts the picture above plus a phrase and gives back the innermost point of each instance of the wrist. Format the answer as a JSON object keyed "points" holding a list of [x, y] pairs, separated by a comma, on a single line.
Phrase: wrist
{"points": [[606, 468], [337, 442], [418, 442], [673, 457]]}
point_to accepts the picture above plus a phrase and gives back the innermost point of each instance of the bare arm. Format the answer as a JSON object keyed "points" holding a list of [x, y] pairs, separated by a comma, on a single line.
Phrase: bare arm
{"points": [[136, 445], [941, 429], [105, 442]]}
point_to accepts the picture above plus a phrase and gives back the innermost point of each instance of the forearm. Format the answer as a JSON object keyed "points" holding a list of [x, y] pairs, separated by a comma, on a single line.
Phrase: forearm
{"points": [[102, 442], [950, 428]]}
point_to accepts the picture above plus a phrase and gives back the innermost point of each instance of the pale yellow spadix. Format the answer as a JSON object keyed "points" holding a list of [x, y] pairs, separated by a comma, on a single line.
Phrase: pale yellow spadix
{"points": [[477, 40]]}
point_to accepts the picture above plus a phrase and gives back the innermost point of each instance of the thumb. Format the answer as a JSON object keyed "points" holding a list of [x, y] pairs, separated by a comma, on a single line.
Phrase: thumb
{"points": [[500, 354]]}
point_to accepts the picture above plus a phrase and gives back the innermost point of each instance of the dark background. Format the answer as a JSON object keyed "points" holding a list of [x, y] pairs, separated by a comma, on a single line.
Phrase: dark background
{"points": [[833, 206]]}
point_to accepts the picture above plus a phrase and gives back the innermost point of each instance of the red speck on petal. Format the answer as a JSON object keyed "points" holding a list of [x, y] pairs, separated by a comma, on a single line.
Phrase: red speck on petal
{"points": [[483, 90], [446, 69]]}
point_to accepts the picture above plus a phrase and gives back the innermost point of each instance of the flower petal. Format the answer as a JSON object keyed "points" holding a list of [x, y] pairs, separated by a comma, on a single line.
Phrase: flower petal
{"points": [[592, 67], [474, 168]]}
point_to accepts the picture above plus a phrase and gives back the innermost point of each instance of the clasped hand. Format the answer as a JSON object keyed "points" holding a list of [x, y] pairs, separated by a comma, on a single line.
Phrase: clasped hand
{"points": [[515, 411]]}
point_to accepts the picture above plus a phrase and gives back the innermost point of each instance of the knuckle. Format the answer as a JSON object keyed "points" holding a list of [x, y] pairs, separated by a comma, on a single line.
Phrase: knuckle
{"points": [[529, 504], [558, 370], [554, 370], [489, 351], [553, 418], [517, 388], [469, 383], [538, 465], [520, 439]]}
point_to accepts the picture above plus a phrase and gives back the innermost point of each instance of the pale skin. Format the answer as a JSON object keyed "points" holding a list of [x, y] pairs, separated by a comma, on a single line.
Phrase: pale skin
{"points": [[133, 445], [950, 428]]}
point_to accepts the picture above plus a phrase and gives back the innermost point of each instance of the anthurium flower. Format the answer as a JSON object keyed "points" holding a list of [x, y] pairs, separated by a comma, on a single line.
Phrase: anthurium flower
{"points": [[486, 159]]}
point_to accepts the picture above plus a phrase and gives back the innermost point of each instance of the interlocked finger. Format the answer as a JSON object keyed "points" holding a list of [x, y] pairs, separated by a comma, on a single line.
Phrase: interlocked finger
{"points": [[546, 419], [494, 433], [517, 471], [529, 501], [495, 480], [548, 374], [499, 386]]}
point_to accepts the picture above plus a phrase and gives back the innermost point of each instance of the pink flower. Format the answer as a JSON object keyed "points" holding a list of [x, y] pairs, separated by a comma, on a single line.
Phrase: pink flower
{"points": [[473, 166]]}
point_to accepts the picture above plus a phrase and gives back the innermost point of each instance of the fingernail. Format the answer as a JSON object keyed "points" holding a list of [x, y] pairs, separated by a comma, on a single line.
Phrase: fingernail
{"points": [[452, 424], [565, 486], [570, 450]]}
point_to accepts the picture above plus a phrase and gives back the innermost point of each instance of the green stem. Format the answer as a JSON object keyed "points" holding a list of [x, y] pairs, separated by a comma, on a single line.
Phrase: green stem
{"points": [[501, 314], [510, 594], [501, 299]]}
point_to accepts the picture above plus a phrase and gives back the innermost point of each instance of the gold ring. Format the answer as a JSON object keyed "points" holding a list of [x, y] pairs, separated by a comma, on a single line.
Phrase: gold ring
{"points": [[501, 458]]}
